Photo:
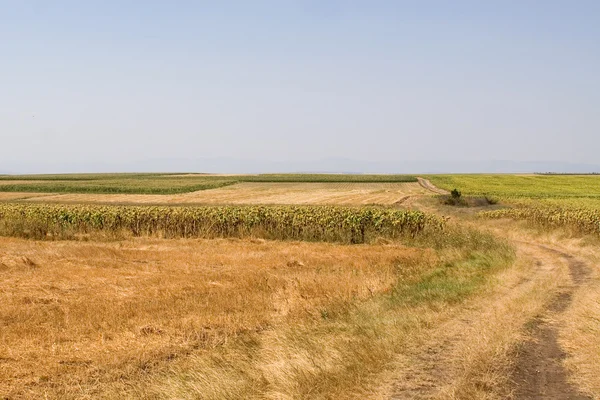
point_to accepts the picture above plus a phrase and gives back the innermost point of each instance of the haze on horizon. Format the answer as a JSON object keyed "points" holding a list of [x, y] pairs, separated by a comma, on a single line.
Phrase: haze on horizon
{"points": [[295, 85]]}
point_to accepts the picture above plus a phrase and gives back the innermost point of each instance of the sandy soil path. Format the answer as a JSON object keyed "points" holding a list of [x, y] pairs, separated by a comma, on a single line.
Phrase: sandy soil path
{"points": [[442, 365], [426, 184], [539, 372], [525, 313]]}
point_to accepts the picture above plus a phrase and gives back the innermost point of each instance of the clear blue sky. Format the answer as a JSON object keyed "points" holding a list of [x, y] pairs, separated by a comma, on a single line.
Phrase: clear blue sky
{"points": [[127, 81]]}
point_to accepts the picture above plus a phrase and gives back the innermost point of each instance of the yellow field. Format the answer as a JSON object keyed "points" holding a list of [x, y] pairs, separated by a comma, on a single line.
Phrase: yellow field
{"points": [[12, 196], [93, 319], [264, 193]]}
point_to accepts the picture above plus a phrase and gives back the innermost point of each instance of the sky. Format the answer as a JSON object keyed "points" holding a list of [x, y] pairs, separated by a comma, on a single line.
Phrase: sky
{"points": [[138, 85]]}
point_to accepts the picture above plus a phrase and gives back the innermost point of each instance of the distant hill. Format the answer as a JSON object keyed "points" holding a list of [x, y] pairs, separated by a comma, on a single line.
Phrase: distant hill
{"points": [[329, 165]]}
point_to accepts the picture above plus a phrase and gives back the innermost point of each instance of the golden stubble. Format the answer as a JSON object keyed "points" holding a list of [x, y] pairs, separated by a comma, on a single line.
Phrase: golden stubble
{"points": [[79, 317], [263, 193]]}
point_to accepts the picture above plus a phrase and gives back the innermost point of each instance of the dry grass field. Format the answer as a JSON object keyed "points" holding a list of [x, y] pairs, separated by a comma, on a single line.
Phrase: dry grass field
{"points": [[78, 312], [263, 193]]}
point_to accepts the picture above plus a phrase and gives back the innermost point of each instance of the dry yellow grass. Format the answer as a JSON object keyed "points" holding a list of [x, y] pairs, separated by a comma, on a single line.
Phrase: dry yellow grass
{"points": [[11, 196], [266, 193], [89, 320]]}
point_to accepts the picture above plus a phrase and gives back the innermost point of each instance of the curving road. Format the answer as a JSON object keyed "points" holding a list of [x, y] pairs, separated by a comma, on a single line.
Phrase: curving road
{"points": [[426, 184]]}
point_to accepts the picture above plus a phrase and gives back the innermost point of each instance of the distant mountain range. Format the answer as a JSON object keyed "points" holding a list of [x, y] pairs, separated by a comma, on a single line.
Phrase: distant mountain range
{"points": [[331, 165]]}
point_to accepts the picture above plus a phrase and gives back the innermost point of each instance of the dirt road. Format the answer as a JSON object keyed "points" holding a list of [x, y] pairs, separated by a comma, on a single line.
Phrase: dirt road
{"points": [[539, 372], [460, 357], [426, 184], [504, 345]]}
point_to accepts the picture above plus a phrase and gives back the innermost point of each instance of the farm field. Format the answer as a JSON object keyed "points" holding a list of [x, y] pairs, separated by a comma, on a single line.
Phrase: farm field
{"points": [[259, 193], [218, 318], [169, 183], [297, 288], [522, 186], [233, 308], [552, 201], [10, 196], [127, 184]]}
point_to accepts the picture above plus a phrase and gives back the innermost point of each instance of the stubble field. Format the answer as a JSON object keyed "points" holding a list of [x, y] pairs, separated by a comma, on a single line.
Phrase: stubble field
{"points": [[254, 193]]}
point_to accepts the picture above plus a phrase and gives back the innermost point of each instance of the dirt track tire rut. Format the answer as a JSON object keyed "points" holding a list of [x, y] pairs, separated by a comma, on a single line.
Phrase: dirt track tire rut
{"points": [[539, 372], [426, 184]]}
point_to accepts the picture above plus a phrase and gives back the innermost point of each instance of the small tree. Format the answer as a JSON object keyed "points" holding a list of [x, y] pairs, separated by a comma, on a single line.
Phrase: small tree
{"points": [[455, 198]]}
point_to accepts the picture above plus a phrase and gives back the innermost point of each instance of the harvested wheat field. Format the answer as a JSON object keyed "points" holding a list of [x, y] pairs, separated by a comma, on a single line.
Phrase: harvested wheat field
{"points": [[265, 193], [95, 319], [13, 196]]}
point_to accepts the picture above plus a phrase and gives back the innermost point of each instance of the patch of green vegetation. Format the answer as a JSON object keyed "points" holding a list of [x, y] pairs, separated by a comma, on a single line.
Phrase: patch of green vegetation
{"points": [[451, 282], [468, 258], [145, 185], [520, 186], [325, 178], [546, 201], [585, 203], [83, 177]]}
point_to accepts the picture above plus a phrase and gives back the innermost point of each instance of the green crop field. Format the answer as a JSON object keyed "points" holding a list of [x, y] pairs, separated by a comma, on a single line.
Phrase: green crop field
{"points": [[325, 178], [145, 185], [85, 177], [520, 186], [554, 201]]}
